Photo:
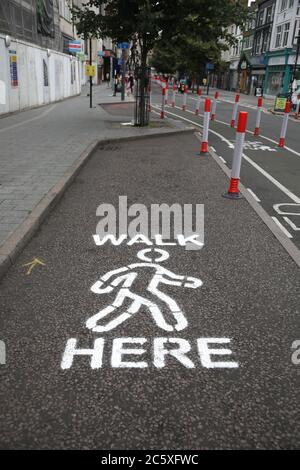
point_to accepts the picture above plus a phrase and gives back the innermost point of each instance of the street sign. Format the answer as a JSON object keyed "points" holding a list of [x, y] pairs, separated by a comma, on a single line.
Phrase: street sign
{"points": [[210, 66], [123, 45], [280, 104], [104, 53], [75, 46], [90, 70]]}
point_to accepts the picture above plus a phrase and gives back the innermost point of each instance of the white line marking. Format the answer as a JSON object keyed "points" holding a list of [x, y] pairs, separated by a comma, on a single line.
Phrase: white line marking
{"points": [[294, 227], [282, 227], [213, 148], [255, 165], [249, 132], [253, 195], [222, 160]]}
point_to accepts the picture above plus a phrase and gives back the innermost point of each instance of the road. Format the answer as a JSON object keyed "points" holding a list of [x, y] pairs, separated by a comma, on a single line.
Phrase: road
{"points": [[271, 174], [151, 380]]}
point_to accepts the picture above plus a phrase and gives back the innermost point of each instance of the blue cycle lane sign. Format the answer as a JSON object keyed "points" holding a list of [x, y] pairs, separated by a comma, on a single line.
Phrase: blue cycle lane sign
{"points": [[123, 45]]}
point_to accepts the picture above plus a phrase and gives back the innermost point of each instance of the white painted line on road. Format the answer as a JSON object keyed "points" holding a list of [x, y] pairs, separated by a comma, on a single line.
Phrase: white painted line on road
{"points": [[249, 132], [294, 227], [213, 148], [251, 162], [282, 227], [253, 195], [222, 159]]}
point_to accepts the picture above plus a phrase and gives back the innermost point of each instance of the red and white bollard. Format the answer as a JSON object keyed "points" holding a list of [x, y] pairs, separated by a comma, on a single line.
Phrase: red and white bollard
{"points": [[258, 116], [297, 107], [162, 113], [235, 110], [167, 94], [214, 106], [284, 124], [174, 96], [198, 101], [204, 143], [233, 191], [184, 99]]}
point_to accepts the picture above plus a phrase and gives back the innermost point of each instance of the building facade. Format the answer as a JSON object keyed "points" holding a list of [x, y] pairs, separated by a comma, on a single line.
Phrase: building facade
{"points": [[34, 70], [281, 56]]}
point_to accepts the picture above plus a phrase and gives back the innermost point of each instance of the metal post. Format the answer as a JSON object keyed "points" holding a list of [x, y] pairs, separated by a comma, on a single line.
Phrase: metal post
{"points": [[123, 74], [207, 90], [91, 78]]}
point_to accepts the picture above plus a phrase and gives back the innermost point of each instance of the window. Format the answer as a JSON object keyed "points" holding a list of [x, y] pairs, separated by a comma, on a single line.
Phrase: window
{"points": [[298, 8], [297, 32], [278, 36], [286, 34], [258, 43], [283, 5], [260, 18], [269, 15], [291, 3], [265, 44]]}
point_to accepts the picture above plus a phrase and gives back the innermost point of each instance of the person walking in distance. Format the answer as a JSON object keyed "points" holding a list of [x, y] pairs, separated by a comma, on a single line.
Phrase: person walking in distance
{"points": [[131, 83], [107, 79]]}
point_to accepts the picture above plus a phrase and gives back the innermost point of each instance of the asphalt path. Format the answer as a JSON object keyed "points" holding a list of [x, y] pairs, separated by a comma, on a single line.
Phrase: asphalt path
{"points": [[273, 175], [248, 303]]}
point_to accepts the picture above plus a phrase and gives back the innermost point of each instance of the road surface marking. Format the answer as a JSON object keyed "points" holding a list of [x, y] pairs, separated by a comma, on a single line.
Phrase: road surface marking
{"points": [[222, 160], [282, 227], [253, 195], [251, 162], [291, 224], [32, 264], [249, 132], [123, 282]]}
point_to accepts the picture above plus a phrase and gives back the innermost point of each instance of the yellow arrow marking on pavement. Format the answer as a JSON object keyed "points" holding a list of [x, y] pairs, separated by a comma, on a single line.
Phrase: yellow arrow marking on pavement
{"points": [[32, 264]]}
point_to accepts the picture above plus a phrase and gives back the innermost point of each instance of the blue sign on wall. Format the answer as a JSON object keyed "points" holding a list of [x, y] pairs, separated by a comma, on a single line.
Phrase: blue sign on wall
{"points": [[210, 66], [123, 45]]}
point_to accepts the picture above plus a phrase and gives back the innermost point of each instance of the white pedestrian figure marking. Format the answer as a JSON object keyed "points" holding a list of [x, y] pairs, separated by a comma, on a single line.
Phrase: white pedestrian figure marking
{"points": [[123, 281]]}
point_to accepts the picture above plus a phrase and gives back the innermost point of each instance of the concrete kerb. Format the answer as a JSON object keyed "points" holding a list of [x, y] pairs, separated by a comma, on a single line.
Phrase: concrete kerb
{"points": [[285, 242], [15, 244]]}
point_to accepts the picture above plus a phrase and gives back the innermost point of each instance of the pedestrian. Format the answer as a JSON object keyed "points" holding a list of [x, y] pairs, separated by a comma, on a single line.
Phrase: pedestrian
{"points": [[131, 83], [107, 79], [116, 82]]}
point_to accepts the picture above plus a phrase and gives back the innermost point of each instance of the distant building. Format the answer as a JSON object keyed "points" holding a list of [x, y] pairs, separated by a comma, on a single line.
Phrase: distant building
{"points": [[282, 54], [261, 43], [246, 79]]}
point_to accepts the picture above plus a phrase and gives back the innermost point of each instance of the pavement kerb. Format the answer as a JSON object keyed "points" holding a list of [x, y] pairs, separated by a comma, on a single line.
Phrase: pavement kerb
{"points": [[15, 244], [285, 242]]}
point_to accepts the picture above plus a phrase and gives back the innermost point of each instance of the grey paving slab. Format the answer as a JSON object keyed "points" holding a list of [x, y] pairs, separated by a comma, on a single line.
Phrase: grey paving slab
{"points": [[38, 146]]}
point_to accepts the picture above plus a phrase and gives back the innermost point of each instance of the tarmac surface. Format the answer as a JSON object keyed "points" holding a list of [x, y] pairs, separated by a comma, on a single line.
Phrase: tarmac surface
{"points": [[271, 174], [247, 398]]}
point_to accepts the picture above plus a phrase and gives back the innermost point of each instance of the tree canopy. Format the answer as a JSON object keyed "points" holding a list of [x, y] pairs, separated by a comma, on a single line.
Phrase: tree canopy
{"points": [[198, 25]]}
